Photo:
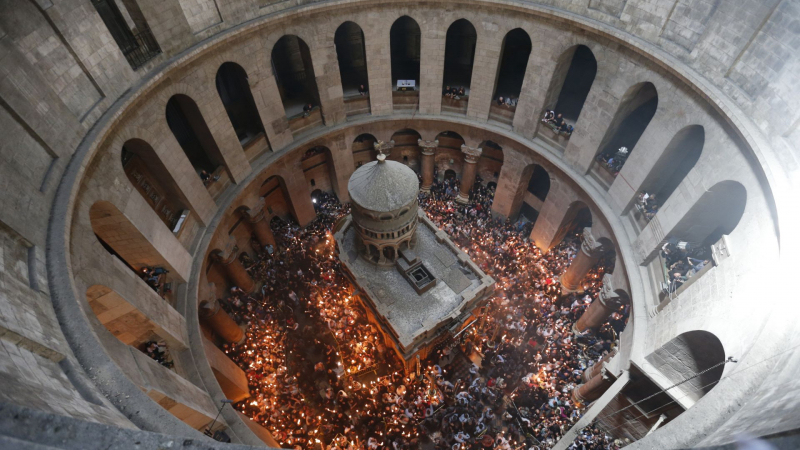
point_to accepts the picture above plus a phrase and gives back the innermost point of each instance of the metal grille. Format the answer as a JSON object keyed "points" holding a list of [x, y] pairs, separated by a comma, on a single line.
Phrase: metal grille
{"points": [[144, 49]]}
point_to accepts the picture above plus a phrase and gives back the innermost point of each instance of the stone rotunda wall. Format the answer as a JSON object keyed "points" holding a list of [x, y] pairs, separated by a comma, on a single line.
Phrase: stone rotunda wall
{"points": [[69, 102]]}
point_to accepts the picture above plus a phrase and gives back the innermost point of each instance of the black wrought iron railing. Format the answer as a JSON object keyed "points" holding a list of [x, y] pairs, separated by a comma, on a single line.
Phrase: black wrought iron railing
{"points": [[142, 48]]}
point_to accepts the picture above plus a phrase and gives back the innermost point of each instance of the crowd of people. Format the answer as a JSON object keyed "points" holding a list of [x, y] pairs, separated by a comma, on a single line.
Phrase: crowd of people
{"points": [[683, 260], [155, 278], [557, 123], [647, 205], [456, 93], [321, 376], [614, 161], [509, 101]]}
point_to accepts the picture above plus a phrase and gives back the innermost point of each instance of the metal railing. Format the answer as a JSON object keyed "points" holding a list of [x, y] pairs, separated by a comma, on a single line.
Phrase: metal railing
{"points": [[143, 48]]}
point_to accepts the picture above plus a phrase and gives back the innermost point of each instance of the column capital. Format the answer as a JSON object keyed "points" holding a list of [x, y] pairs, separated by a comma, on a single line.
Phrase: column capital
{"points": [[428, 147], [227, 254], [590, 245], [608, 295], [471, 154]]}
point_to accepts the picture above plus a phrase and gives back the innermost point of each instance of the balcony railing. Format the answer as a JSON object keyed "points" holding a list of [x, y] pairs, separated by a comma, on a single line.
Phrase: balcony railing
{"points": [[143, 48]]}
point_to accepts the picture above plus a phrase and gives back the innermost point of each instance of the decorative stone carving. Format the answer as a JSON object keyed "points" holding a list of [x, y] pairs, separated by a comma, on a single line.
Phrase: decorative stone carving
{"points": [[428, 147], [471, 154]]}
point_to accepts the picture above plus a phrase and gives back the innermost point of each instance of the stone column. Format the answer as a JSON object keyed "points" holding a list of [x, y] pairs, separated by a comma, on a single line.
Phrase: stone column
{"points": [[235, 270], [597, 313], [590, 391], [587, 257], [257, 219], [211, 312], [471, 157], [428, 161]]}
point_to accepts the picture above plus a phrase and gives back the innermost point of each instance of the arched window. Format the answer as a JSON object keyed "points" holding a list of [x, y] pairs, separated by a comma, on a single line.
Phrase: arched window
{"points": [[459, 56], [510, 75], [637, 108], [677, 160], [571, 82], [190, 130], [294, 75], [404, 38], [352, 56], [234, 91]]}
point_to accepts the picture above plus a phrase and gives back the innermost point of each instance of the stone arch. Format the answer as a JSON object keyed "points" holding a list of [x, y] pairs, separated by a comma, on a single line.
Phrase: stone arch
{"points": [[448, 154], [351, 54], [716, 213], [277, 201], [405, 39], [577, 217], [514, 55], [539, 182], [406, 145], [459, 57], [318, 166], [192, 133], [633, 115], [491, 162], [688, 354], [677, 160], [364, 149], [294, 75], [234, 91], [572, 79]]}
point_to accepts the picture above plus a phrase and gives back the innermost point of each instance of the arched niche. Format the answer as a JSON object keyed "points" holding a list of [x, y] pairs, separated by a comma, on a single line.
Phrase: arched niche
{"points": [[318, 169], [233, 88], [577, 217], [277, 202], [490, 163], [635, 111], [715, 214], [364, 149], [459, 58], [448, 154], [294, 75], [406, 148], [352, 56], [687, 355], [513, 64], [571, 82], [192, 133], [405, 40], [669, 171]]}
